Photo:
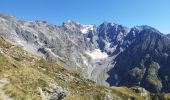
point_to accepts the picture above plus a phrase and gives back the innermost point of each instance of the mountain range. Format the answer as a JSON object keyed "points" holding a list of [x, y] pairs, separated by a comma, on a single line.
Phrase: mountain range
{"points": [[108, 54]]}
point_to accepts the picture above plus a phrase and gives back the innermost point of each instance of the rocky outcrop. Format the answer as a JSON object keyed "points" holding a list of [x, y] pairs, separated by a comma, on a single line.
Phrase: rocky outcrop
{"points": [[142, 92], [53, 92]]}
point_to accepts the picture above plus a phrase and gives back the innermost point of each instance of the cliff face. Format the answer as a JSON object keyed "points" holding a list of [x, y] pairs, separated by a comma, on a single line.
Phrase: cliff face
{"points": [[145, 62]]}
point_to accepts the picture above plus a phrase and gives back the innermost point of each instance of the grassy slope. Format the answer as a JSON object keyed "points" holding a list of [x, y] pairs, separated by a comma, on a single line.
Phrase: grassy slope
{"points": [[26, 73]]}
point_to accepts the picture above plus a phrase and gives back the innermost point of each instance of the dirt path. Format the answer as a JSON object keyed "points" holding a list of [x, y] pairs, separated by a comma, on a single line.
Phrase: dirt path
{"points": [[3, 96]]}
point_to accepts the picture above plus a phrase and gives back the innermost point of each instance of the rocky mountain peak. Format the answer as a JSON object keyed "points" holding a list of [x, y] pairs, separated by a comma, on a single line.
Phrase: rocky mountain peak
{"points": [[70, 23]]}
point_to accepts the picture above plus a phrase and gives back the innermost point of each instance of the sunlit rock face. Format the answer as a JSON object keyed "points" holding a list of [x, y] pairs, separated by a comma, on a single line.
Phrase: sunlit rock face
{"points": [[109, 54]]}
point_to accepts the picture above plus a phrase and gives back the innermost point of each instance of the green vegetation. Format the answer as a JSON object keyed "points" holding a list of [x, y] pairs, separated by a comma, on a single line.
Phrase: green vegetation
{"points": [[152, 78]]}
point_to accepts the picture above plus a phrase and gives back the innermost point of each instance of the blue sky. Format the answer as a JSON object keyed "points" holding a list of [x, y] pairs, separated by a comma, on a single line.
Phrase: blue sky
{"points": [[154, 13]]}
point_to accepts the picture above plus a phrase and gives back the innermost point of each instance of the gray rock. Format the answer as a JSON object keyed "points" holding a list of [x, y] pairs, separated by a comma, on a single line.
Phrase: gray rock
{"points": [[53, 92]]}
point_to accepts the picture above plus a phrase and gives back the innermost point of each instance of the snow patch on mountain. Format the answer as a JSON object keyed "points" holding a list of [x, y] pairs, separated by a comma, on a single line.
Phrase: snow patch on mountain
{"points": [[97, 54], [86, 28], [21, 42]]}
